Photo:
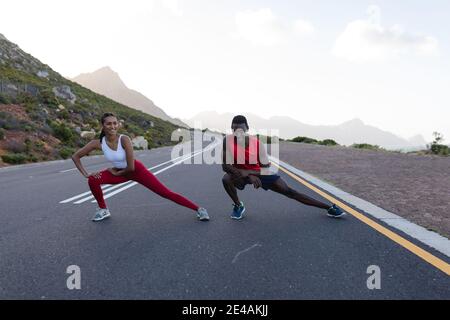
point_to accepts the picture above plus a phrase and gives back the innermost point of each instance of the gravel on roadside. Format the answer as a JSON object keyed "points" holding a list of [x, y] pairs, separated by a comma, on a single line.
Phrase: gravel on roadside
{"points": [[415, 187]]}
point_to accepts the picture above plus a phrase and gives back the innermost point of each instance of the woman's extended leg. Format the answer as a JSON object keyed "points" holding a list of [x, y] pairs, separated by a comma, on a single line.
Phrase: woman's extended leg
{"points": [[148, 179], [281, 187], [106, 177]]}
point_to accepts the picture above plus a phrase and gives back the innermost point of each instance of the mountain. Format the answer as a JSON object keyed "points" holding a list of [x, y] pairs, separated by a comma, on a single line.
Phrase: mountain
{"points": [[107, 82], [347, 133], [44, 116], [416, 143]]}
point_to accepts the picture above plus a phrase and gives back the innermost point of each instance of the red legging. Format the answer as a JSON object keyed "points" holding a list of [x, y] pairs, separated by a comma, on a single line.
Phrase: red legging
{"points": [[140, 175]]}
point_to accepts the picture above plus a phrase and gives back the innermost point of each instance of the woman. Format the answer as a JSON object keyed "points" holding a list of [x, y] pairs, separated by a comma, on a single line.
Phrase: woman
{"points": [[118, 150]]}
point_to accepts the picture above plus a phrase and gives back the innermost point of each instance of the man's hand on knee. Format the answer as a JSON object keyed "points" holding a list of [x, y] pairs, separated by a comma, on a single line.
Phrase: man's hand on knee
{"points": [[255, 181]]}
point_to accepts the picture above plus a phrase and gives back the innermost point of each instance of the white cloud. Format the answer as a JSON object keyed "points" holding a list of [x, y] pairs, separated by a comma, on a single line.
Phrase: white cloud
{"points": [[173, 6], [263, 27], [374, 13], [303, 28], [260, 27], [368, 40]]}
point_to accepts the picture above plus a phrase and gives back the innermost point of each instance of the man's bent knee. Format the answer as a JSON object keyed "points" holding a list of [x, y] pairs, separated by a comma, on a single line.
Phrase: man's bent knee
{"points": [[227, 179]]}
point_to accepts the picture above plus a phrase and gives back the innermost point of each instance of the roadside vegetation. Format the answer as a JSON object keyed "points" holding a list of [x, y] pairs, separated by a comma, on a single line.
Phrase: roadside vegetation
{"points": [[435, 148], [326, 142]]}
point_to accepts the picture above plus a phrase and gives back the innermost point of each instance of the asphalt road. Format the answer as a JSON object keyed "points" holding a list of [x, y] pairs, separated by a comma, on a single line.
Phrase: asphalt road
{"points": [[152, 248]]}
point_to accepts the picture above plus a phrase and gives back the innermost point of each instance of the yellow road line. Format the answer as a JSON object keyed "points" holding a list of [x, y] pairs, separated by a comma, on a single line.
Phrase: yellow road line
{"points": [[428, 257]]}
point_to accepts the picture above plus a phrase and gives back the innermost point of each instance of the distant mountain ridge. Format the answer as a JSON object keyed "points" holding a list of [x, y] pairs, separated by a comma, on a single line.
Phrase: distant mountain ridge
{"points": [[107, 82], [347, 133]]}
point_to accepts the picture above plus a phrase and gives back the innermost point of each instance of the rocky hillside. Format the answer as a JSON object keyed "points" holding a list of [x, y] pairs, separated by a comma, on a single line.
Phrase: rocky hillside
{"points": [[44, 116]]}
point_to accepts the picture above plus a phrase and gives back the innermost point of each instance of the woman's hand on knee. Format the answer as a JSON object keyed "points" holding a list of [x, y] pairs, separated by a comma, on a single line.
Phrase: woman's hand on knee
{"points": [[96, 175], [114, 171]]}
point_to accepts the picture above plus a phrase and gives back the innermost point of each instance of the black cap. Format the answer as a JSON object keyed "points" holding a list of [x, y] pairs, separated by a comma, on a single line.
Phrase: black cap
{"points": [[240, 119]]}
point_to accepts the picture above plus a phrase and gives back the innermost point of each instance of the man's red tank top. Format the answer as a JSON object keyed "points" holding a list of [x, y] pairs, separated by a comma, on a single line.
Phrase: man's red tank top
{"points": [[245, 157]]}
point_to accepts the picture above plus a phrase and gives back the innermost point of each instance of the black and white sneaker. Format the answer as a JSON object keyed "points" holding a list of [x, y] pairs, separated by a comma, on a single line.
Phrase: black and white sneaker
{"points": [[202, 214], [101, 214], [335, 212]]}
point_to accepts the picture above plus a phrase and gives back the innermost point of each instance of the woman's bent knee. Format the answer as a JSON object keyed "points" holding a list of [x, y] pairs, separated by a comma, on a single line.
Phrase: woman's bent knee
{"points": [[92, 181]]}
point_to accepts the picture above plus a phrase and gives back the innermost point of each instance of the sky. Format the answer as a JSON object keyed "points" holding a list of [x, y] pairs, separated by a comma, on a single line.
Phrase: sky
{"points": [[321, 62]]}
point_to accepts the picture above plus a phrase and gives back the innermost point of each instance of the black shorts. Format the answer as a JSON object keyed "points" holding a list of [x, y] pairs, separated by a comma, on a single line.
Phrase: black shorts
{"points": [[266, 180]]}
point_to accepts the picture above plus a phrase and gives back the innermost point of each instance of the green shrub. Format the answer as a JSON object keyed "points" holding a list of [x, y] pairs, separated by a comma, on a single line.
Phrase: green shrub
{"points": [[26, 99], [365, 146], [149, 138], [440, 149], [39, 144], [28, 145], [31, 107], [33, 158], [64, 114], [2, 134], [328, 142], [48, 98], [4, 99], [134, 129], [66, 152], [437, 147], [9, 122], [15, 158], [4, 120], [61, 131], [304, 140]]}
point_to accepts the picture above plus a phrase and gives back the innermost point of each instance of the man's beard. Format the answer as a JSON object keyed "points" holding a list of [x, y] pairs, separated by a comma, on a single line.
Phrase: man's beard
{"points": [[240, 136]]}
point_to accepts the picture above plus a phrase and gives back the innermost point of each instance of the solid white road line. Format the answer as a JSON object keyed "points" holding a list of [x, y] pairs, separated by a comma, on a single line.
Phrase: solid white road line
{"points": [[68, 170], [83, 194]]}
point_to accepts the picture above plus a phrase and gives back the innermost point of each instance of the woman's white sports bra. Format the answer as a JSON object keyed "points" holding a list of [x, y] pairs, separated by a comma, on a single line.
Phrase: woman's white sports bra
{"points": [[116, 157]]}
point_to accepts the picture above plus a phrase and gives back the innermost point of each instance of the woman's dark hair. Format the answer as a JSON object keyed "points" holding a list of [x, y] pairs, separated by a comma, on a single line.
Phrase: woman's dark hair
{"points": [[104, 116], [240, 119]]}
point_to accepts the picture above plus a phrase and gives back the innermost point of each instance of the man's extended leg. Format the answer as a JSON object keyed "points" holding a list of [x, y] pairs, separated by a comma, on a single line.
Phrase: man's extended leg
{"points": [[281, 187]]}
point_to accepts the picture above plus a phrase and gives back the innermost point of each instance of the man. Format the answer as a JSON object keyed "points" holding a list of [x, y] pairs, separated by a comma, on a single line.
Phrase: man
{"points": [[245, 162]]}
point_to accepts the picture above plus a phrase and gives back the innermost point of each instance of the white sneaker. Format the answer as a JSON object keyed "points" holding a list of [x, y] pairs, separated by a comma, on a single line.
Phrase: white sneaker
{"points": [[101, 214], [202, 214]]}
